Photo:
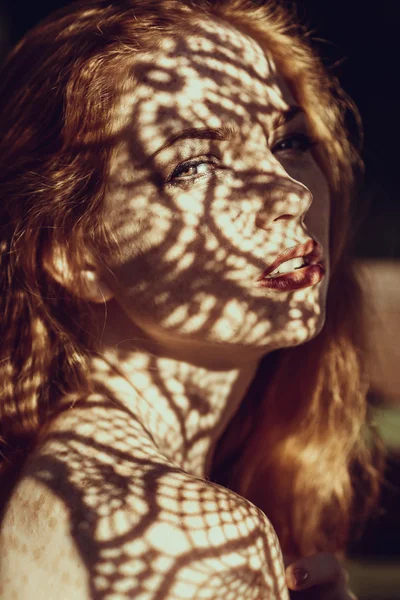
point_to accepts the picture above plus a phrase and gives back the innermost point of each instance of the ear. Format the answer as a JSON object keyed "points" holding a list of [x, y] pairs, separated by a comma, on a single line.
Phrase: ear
{"points": [[85, 283]]}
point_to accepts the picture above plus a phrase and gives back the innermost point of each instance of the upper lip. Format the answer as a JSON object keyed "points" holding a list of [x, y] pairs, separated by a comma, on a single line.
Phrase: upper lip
{"points": [[311, 251]]}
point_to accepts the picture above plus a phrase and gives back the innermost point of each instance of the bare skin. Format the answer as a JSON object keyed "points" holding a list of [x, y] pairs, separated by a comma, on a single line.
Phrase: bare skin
{"points": [[184, 324], [123, 474], [101, 513]]}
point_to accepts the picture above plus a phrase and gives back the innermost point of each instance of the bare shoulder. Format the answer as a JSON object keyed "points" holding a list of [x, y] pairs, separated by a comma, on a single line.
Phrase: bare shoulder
{"points": [[100, 513]]}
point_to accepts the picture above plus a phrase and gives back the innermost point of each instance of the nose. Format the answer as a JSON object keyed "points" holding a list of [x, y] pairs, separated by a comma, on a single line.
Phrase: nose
{"points": [[284, 198]]}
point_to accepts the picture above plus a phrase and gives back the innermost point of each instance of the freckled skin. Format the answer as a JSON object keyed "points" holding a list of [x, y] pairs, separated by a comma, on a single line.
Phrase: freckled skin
{"points": [[115, 503], [52, 522], [37, 554], [65, 578]]}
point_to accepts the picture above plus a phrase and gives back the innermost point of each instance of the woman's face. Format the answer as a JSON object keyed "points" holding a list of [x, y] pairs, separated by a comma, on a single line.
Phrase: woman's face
{"points": [[198, 219]]}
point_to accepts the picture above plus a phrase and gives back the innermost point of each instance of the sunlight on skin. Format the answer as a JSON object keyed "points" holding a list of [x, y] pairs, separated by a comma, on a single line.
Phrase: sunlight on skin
{"points": [[185, 330], [189, 256], [192, 536]]}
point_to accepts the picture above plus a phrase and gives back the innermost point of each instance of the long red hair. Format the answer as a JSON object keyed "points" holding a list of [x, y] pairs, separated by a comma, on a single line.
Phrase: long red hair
{"points": [[301, 446]]}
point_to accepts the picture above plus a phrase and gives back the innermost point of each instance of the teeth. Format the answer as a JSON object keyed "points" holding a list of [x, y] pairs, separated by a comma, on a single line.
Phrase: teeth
{"points": [[288, 265]]}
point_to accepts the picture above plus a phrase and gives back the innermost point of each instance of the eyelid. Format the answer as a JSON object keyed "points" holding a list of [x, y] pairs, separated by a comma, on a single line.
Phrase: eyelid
{"points": [[308, 139], [291, 128], [189, 163]]}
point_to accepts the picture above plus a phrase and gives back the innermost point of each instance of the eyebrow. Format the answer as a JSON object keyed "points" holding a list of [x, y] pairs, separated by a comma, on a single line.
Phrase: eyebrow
{"points": [[284, 117], [225, 133]]}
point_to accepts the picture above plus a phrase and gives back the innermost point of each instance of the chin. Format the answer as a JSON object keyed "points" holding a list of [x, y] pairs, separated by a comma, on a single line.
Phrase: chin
{"points": [[307, 332], [300, 332]]}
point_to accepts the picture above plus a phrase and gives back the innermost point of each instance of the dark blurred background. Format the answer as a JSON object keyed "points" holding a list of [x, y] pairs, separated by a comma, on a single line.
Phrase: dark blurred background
{"points": [[359, 43]]}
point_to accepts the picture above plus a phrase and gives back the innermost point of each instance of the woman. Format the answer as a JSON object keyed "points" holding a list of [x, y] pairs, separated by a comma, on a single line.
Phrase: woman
{"points": [[169, 426]]}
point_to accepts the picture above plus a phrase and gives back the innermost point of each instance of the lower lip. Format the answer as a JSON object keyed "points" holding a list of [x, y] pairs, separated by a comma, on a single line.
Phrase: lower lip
{"points": [[294, 280]]}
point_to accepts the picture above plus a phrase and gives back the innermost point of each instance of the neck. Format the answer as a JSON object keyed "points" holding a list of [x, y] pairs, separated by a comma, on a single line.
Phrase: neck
{"points": [[184, 407]]}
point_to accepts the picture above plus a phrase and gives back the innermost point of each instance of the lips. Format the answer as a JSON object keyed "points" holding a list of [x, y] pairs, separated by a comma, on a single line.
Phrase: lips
{"points": [[311, 251]]}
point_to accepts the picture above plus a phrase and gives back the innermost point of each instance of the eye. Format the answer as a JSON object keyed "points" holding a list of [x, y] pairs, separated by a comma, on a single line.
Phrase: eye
{"points": [[299, 143], [176, 177]]}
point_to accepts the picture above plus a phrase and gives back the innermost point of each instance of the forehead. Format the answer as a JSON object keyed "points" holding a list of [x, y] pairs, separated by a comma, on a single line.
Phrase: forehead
{"points": [[205, 79]]}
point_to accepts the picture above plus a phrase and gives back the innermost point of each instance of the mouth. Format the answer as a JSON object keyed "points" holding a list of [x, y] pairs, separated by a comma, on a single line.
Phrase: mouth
{"points": [[294, 268]]}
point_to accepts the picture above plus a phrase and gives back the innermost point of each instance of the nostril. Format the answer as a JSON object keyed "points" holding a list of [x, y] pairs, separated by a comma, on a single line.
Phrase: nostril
{"points": [[283, 217]]}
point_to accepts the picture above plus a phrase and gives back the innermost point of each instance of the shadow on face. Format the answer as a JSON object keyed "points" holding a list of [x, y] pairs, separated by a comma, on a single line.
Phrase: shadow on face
{"points": [[213, 176]]}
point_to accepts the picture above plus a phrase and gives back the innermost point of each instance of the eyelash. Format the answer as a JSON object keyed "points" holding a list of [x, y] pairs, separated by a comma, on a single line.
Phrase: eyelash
{"points": [[306, 143]]}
